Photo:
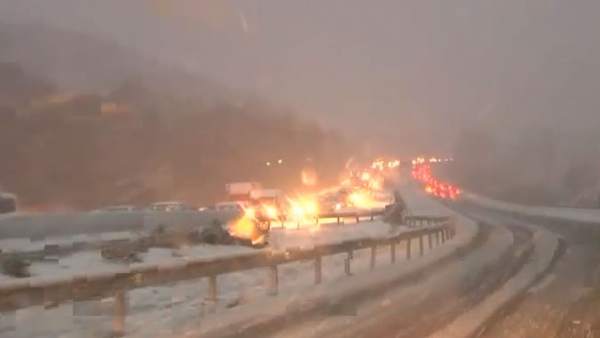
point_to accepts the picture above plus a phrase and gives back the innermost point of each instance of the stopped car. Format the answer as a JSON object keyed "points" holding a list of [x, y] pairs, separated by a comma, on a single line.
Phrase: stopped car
{"points": [[170, 206], [8, 203]]}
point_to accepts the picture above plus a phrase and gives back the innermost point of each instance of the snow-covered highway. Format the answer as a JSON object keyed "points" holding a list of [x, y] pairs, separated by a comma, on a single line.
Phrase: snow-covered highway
{"points": [[504, 263]]}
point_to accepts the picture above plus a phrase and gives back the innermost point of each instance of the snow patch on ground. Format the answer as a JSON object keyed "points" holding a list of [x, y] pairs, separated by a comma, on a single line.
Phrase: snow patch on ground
{"points": [[79, 263], [570, 214]]}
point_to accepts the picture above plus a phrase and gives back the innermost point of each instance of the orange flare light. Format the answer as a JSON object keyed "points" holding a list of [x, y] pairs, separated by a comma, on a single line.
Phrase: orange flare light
{"points": [[270, 211], [244, 227], [303, 208]]}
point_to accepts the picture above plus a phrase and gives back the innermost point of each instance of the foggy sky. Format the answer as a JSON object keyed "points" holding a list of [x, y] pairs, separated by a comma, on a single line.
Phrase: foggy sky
{"points": [[399, 72]]}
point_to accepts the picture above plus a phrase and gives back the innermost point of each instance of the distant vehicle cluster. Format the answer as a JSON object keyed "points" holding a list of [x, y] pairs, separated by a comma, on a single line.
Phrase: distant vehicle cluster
{"points": [[362, 188], [432, 185]]}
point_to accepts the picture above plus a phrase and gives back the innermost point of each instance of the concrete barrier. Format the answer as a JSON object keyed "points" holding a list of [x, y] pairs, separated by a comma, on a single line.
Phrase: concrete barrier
{"points": [[39, 226]]}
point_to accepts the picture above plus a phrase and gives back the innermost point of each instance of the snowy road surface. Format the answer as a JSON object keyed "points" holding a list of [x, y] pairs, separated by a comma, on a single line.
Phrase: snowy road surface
{"points": [[402, 311], [565, 303], [426, 303], [498, 268]]}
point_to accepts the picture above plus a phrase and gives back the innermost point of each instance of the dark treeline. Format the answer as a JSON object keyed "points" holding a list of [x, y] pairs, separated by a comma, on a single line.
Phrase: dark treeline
{"points": [[139, 143]]}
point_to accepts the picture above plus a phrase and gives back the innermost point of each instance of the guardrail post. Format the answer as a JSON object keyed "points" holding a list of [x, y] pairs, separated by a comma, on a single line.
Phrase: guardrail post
{"points": [[429, 240], [408, 249], [273, 286], [120, 312], [347, 263], [443, 235], [357, 218], [338, 220], [393, 252], [212, 289], [372, 216], [318, 271], [421, 249], [373, 256], [437, 237]]}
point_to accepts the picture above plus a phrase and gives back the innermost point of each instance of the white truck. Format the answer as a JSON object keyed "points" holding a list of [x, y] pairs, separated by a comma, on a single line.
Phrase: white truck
{"points": [[240, 191], [265, 195]]}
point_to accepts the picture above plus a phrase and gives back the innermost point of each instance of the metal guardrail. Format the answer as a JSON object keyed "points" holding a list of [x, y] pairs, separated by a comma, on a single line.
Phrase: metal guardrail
{"points": [[423, 220], [49, 292], [340, 216], [372, 213]]}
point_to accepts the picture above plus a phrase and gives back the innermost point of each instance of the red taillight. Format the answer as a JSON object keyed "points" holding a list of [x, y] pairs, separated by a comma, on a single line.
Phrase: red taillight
{"points": [[433, 186]]}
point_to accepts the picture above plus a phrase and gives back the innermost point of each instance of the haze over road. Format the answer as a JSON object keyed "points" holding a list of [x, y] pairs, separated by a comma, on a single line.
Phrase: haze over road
{"points": [[143, 120]]}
